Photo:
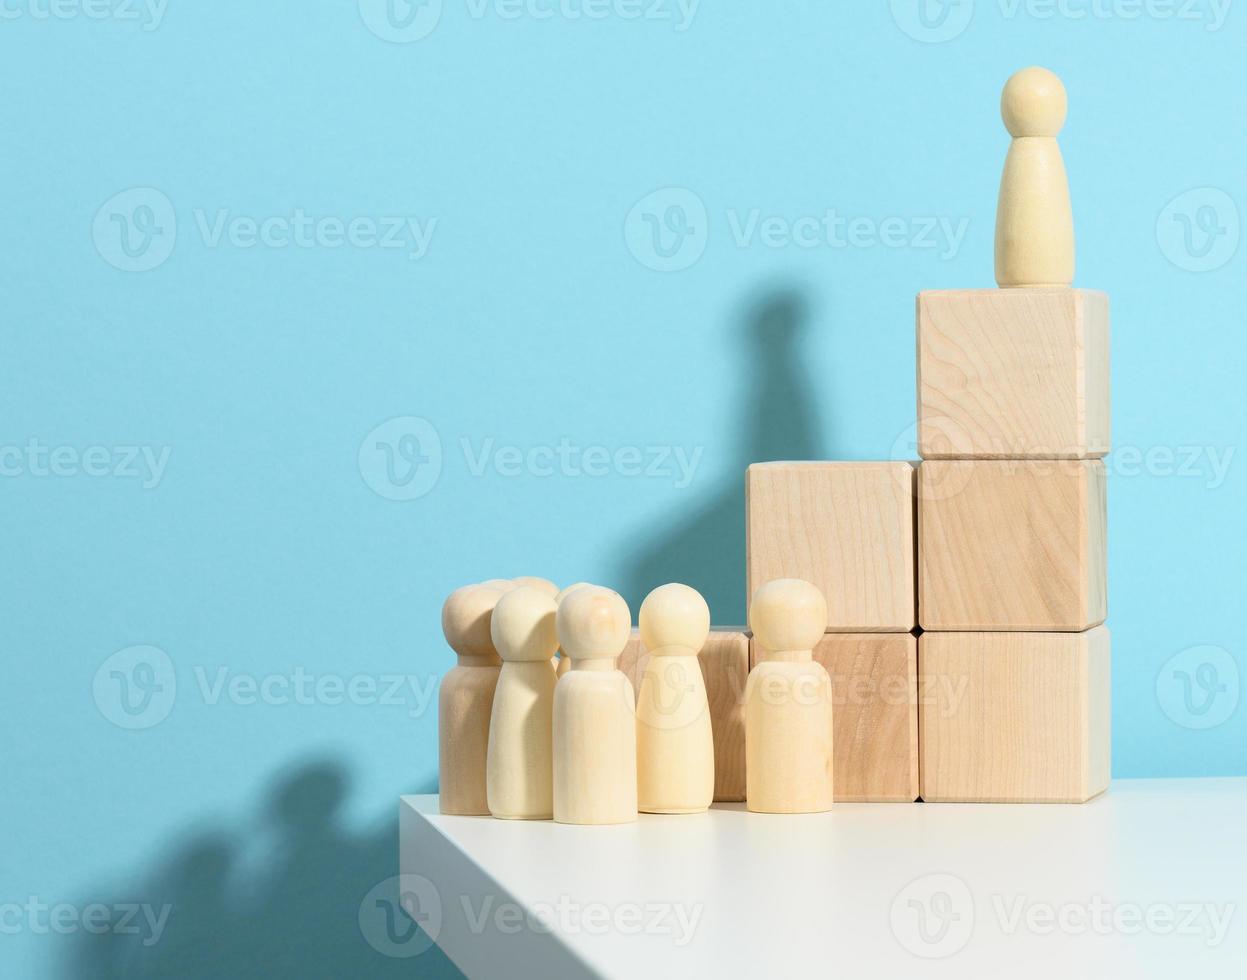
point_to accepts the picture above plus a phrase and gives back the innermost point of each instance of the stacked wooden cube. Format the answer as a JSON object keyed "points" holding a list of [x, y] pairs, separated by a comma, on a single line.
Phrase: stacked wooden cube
{"points": [[1013, 419]]}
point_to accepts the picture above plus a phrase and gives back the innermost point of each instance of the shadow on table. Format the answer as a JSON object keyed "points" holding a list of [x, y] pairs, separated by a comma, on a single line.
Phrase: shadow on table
{"points": [[280, 897], [702, 542]]}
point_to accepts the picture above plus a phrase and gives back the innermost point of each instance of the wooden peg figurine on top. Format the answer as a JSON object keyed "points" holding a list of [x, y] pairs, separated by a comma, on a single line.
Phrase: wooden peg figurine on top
{"points": [[466, 700], [594, 713], [541, 584], [1034, 222], [675, 747], [788, 706], [520, 770]]}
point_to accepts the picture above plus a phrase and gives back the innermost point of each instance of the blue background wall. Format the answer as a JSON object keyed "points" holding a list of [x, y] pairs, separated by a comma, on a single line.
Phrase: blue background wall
{"points": [[243, 763]]}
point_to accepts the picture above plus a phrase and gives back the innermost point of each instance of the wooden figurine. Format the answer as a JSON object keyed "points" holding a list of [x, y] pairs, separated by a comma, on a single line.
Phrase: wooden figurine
{"points": [[542, 584], [562, 662], [520, 770], [788, 706], [594, 713], [1034, 221], [675, 747], [466, 700]]}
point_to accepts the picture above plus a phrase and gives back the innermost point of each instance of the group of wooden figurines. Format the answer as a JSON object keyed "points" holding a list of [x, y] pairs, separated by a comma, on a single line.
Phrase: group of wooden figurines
{"points": [[528, 734]]}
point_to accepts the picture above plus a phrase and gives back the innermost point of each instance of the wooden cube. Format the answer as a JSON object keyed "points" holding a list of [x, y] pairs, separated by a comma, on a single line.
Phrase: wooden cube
{"points": [[1014, 717], [724, 662], [874, 684], [1011, 544], [1021, 373], [846, 527]]}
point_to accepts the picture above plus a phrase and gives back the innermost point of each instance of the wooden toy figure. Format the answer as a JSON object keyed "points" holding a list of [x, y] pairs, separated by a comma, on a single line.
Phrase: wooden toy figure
{"points": [[1034, 222], [788, 720], [594, 713], [544, 584], [675, 749], [520, 767], [563, 661], [466, 700]]}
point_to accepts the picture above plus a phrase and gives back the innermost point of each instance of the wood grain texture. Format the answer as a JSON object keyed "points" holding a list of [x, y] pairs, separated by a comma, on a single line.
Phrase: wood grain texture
{"points": [[724, 662], [1013, 373], [847, 528], [1011, 544], [874, 684], [1015, 717]]}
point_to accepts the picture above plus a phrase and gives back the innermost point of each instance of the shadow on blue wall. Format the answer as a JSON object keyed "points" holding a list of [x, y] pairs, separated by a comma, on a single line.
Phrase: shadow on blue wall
{"points": [[702, 544], [296, 912], [296, 915]]}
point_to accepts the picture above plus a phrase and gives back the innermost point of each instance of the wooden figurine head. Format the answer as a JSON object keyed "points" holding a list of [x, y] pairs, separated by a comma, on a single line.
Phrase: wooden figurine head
{"points": [[544, 584], [522, 626], [563, 594], [788, 615], [501, 584], [674, 621], [593, 624], [1033, 103], [466, 617]]}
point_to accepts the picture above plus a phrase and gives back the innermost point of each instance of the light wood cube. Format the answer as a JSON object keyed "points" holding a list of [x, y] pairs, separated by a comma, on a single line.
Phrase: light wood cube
{"points": [[1021, 373], [1014, 717], [874, 684], [848, 528], [1011, 544], [724, 662]]}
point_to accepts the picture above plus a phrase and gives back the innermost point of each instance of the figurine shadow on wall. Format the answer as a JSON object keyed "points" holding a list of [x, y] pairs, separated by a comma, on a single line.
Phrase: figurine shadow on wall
{"points": [[277, 898], [702, 542]]}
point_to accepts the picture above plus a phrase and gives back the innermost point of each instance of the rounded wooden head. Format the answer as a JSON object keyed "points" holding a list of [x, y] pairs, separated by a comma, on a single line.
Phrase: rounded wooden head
{"points": [[563, 594], [674, 620], [593, 624], [466, 617], [1033, 103], [788, 614], [544, 584], [522, 626], [501, 584]]}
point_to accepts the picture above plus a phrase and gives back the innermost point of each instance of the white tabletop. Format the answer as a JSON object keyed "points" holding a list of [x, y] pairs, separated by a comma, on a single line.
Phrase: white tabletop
{"points": [[1145, 881]]}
